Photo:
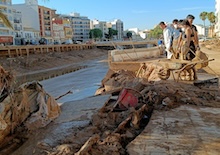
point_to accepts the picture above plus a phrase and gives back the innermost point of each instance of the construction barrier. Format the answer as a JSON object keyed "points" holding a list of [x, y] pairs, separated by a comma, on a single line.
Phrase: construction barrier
{"points": [[13, 51]]}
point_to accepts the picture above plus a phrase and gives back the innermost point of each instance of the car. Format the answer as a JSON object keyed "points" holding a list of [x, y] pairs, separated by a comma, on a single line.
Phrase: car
{"points": [[56, 43]]}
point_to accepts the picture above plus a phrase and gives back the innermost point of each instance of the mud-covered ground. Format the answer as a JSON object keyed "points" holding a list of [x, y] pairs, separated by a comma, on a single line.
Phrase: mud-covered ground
{"points": [[119, 128], [38, 62]]}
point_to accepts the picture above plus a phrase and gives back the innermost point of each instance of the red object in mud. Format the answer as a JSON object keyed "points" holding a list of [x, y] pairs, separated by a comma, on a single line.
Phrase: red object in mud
{"points": [[128, 98]]}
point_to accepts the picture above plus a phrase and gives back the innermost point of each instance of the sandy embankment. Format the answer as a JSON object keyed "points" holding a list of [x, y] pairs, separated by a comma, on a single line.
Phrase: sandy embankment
{"points": [[47, 65]]}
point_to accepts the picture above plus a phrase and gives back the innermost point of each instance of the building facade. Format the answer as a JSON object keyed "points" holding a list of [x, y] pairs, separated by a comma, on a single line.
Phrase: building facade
{"points": [[80, 26], [137, 34], [30, 21], [202, 31], [6, 34], [119, 26], [217, 14], [18, 27], [102, 25], [46, 26], [62, 31]]}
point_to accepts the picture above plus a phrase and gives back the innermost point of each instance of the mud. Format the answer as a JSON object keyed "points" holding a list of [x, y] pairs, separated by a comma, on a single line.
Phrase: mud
{"points": [[112, 129], [47, 65], [108, 132]]}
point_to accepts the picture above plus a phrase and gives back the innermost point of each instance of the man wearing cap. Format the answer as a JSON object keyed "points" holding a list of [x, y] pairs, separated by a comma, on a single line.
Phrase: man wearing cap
{"points": [[167, 35], [194, 44]]}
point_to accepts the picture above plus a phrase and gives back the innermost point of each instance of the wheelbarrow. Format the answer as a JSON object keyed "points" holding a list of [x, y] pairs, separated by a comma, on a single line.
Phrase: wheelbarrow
{"points": [[171, 66]]}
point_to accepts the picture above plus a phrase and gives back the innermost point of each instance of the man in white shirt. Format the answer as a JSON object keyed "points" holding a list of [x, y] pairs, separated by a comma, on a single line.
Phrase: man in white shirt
{"points": [[168, 38]]}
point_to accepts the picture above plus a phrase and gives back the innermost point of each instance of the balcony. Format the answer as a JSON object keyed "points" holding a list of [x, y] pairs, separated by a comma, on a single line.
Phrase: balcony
{"points": [[48, 35], [18, 36], [2, 25], [47, 18], [17, 21], [47, 29], [47, 12], [17, 28], [47, 24]]}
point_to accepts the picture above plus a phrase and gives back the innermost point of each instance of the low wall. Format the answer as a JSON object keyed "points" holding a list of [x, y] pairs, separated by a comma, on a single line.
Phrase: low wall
{"points": [[134, 54], [13, 51], [46, 74]]}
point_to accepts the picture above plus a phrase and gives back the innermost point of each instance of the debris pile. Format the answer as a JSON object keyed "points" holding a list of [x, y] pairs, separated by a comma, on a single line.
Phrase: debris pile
{"points": [[155, 91], [128, 111], [28, 107], [110, 130], [121, 79]]}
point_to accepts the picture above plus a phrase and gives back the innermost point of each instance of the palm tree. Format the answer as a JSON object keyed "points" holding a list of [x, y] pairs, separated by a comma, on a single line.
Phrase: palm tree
{"points": [[5, 20], [212, 19], [203, 16]]}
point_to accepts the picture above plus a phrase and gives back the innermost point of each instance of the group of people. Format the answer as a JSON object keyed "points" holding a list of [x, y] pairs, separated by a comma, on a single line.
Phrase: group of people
{"points": [[180, 38]]}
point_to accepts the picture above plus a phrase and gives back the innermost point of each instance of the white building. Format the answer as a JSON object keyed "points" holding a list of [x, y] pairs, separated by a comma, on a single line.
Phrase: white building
{"points": [[202, 31], [143, 34], [135, 30], [18, 27], [137, 34], [59, 33], [217, 14], [30, 19], [6, 34], [118, 25]]}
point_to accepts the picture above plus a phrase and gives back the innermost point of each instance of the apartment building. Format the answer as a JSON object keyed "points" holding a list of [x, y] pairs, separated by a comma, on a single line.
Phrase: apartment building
{"points": [[118, 25], [30, 21], [18, 27], [80, 27], [217, 14], [6, 34], [46, 25], [62, 31]]}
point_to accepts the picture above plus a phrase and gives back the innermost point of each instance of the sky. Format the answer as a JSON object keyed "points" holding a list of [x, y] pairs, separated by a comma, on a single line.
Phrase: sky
{"points": [[142, 14]]}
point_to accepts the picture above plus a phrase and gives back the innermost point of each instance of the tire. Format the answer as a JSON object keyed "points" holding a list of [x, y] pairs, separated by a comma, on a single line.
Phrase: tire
{"points": [[164, 74]]}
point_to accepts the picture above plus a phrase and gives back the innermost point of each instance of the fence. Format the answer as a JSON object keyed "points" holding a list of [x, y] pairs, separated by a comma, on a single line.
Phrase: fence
{"points": [[13, 51]]}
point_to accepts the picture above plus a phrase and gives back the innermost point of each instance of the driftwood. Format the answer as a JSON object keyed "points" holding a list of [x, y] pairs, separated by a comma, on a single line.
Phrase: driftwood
{"points": [[88, 145], [69, 92]]}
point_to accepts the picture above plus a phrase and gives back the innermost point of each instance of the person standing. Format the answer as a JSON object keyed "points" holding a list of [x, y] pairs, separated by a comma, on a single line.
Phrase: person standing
{"points": [[161, 47], [194, 44], [167, 35], [176, 35], [186, 40]]}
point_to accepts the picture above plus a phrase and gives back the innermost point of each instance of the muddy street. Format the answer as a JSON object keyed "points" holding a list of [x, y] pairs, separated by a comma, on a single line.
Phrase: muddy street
{"points": [[81, 84]]}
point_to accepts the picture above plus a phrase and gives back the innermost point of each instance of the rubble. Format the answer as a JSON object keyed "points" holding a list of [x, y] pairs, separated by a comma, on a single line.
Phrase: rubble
{"points": [[27, 107], [120, 120]]}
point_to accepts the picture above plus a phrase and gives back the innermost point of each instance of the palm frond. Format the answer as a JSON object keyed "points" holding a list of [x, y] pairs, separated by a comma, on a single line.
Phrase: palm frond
{"points": [[5, 20]]}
